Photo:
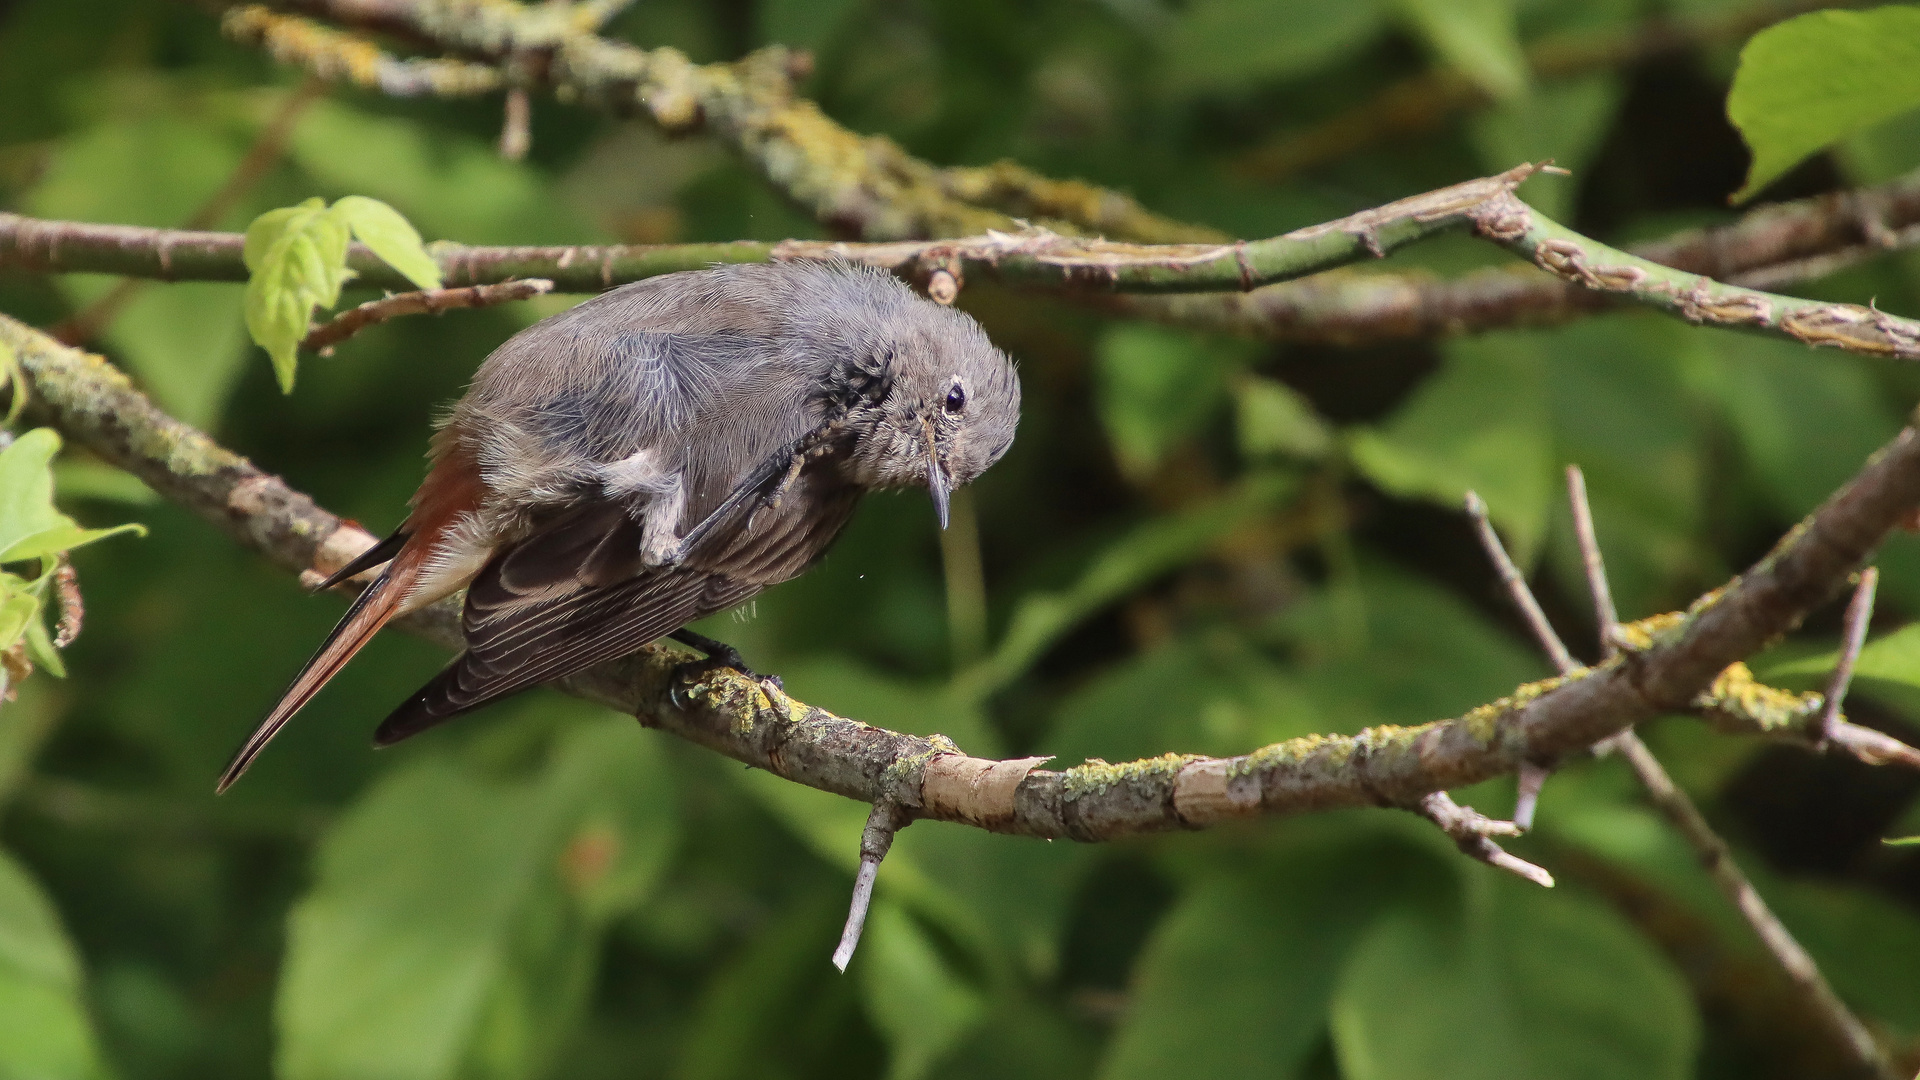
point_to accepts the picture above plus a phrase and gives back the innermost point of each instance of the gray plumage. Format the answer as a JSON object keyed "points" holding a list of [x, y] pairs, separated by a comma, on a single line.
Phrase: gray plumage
{"points": [[663, 452]]}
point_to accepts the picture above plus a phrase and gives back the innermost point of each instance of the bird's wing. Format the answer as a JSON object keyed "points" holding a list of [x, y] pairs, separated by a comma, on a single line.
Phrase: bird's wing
{"points": [[575, 593]]}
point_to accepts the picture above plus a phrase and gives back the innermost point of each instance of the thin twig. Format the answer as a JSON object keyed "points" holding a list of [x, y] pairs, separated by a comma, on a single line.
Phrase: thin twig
{"points": [[323, 338], [875, 840], [1714, 854], [73, 610], [1816, 995], [1859, 615], [516, 127], [1473, 831], [1516, 584], [1605, 614]]}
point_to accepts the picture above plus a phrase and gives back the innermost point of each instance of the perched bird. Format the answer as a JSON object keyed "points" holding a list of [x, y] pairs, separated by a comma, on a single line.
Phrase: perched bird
{"points": [[659, 453]]}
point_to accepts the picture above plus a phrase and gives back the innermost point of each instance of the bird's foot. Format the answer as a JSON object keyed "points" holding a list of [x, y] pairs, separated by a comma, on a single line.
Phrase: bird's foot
{"points": [[719, 654]]}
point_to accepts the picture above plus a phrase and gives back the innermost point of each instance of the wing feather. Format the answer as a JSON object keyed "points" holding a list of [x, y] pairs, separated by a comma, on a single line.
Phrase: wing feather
{"points": [[543, 610]]}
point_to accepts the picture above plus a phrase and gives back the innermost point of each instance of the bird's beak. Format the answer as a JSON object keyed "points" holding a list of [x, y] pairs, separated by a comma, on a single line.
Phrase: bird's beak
{"points": [[938, 485]]}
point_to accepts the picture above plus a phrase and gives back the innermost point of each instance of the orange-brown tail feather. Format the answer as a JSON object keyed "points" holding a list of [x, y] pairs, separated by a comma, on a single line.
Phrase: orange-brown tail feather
{"points": [[377, 605]]}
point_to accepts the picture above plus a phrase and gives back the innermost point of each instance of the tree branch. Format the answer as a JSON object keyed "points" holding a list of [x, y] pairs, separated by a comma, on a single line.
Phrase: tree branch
{"points": [[1666, 668], [1817, 998], [324, 337], [1077, 266]]}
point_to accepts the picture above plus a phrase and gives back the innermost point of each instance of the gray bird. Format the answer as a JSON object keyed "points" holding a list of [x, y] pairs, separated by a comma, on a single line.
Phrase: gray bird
{"points": [[660, 453]]}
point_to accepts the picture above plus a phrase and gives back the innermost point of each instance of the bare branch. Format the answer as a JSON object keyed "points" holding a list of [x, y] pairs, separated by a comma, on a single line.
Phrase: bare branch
{"points": [[1859, 615], [1817, 997], [1472, 831], [1516, 584], [1591, 561], [323, 338]]}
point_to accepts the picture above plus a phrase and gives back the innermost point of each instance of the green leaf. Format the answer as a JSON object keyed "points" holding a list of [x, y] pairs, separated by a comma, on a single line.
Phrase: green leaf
{"points": [[1479, 38], [1811, 81], [912, 995], [1547, 983], [19, 608], [1156, 386], [297, 260], [1768, 390], [1274, 419], [1481, 423], [186, 343], [388, 235], [803, 24], [1236, 979], [1903, 841], [1219, 45], [30, 527], [465, 911], [44, 1029], [1152, 549]]}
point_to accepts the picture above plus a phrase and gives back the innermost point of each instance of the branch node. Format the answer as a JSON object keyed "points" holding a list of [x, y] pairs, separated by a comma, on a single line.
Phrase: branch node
{"points": [[887, 818]]}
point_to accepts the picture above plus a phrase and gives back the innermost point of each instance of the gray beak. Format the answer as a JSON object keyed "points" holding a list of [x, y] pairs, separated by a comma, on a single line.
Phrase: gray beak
{"points": [[938, 485]]}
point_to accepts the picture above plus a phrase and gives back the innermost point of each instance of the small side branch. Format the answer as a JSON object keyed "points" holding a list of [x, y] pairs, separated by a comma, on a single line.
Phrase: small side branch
{"points": [[1859, 615], [323, 338], [1817, 997], [1473, 831], [876, 840]]}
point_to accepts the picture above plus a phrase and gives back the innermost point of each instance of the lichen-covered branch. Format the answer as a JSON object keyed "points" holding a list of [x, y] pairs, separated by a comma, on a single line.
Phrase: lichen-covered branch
{"points": [[1665, 669]]}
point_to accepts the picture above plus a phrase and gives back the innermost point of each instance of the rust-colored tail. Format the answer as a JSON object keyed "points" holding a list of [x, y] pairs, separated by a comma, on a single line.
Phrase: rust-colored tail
{"points": [[379, 603]]}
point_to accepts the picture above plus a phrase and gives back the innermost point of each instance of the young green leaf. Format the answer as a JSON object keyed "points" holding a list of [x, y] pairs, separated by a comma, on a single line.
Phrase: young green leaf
{"points": [[297, 260], [1902, 841], [388, 235], [30, 527], [1806, 83]]}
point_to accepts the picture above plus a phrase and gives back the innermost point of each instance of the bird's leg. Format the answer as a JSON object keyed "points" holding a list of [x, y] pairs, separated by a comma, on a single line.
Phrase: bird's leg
{"points": [[720, 654]]}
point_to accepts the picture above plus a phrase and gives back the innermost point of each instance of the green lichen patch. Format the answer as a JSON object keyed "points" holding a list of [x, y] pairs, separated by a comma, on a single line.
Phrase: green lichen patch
{"points": [[1098, 777]]}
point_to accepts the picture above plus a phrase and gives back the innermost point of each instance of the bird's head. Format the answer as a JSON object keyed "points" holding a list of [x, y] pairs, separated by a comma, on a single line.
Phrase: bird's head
{"points": [[930, 402]]}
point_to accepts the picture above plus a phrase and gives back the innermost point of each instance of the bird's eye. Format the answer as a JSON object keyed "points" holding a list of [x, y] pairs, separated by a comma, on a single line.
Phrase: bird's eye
{"points": [[956, 399]]}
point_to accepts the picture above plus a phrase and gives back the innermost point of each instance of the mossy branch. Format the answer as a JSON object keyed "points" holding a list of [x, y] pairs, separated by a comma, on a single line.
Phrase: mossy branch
{"points": [[1673, 664]]}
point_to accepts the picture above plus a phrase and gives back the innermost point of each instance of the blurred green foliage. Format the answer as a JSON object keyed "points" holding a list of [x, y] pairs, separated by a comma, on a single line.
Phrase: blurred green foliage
{"points": [[1197, 544]]}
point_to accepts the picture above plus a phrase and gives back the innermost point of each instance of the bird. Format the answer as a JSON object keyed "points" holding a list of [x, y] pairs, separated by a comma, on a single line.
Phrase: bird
{"points": [[661, 452]]}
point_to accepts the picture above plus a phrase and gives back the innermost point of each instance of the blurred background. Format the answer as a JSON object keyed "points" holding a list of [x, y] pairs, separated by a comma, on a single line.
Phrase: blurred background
{"points": [[1202, 543]]}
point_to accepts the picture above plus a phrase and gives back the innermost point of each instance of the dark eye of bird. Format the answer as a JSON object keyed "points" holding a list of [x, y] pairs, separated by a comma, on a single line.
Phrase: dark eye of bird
{"points": [[956, 400]]}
